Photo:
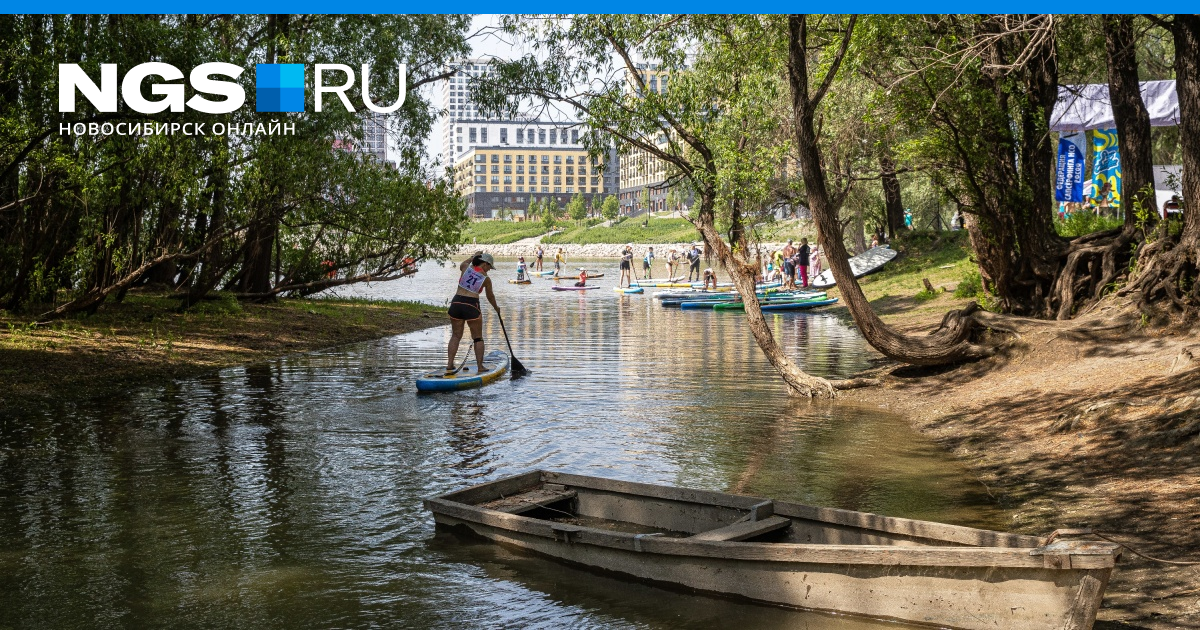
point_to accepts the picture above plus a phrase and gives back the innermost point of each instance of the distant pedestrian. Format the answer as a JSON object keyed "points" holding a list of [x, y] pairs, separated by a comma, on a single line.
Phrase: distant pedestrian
{"points": [[874, 241], [789, 267], [694, 262], [647, 262], [802, 259], [908, 218]]}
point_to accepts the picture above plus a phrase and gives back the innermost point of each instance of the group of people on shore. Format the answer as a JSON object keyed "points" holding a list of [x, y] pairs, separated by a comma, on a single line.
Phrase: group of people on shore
{"points": [[794, 266], [674, 261]]}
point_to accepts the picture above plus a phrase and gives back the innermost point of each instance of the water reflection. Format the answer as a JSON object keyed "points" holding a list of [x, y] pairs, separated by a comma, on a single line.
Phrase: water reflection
{"points": [[287, 494]]}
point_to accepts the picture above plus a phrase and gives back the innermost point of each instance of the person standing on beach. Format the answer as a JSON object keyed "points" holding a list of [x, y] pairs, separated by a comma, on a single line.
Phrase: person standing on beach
{"points": [[694, 262], [802, 260], [537, 264]]}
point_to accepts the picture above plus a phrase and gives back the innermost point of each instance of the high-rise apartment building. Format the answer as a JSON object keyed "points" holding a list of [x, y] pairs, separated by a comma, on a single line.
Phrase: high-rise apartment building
{"points": [[640, 170], [374, 138], [507, 151], [375, 135]]}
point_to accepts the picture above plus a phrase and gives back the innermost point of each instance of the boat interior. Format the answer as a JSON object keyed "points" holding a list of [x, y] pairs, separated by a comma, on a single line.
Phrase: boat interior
{"points": [[576, 501]]}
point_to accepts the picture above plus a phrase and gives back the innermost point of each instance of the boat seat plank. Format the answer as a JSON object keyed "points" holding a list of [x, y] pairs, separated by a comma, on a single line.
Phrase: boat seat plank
{"points": [[529, 501], [743, 530]]}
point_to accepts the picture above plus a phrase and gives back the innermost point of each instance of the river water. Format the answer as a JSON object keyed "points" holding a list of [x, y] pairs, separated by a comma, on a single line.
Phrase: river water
{"points": [[288, 494]]}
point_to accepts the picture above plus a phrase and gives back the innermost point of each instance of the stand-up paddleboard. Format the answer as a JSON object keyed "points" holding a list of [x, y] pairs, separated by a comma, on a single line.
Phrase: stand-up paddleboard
{"points": [[562, 288], [798, 305], [542, 273], [629, 290], [861, 265], [520, 281], [741, 306], [495, 364], [590, 276]]}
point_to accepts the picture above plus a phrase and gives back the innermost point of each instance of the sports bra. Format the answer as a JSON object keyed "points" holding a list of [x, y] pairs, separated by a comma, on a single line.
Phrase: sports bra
{"points": [[472, 280]]}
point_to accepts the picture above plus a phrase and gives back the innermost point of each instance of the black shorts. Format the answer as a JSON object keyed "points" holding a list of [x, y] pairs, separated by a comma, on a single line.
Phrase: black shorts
{"points": [[645, 264], [789, 269], [624, 265], [696, 266], [464, 307]]}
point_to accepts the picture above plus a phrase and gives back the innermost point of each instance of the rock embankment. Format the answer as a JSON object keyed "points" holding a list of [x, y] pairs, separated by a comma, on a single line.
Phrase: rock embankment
{"points": [[527, 248]]}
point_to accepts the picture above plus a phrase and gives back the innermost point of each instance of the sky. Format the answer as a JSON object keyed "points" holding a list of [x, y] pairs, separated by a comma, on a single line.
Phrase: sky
{"points": [[484, 43]]}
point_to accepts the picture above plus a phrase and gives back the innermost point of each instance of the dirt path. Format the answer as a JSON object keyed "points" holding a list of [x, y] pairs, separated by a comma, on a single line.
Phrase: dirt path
{"points": [[1095, 424]]}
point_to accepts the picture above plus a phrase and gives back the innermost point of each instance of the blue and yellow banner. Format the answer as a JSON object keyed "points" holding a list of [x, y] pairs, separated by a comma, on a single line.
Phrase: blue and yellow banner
{"points": [[1105, 189], [1068, 182]]}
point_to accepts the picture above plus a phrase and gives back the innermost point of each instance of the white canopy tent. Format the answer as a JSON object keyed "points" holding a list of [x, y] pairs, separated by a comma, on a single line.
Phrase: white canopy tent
{"points": [[1088, 107]]}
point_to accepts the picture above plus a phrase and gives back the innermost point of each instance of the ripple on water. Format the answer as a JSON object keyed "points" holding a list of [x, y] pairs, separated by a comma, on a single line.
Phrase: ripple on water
{"points": [[288, 493]]}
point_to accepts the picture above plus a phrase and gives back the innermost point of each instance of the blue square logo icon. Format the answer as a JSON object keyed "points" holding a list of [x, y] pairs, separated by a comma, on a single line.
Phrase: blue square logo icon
{"points": [[279, 87]]}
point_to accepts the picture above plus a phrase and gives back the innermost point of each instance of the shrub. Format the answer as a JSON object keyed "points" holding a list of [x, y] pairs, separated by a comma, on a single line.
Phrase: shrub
{"points": [[970, 286]]}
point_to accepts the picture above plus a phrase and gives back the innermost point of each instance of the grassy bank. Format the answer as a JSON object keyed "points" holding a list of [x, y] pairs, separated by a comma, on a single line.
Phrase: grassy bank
{"points": [[501, 232], [142, 340], [898, 292], [628, 231]]}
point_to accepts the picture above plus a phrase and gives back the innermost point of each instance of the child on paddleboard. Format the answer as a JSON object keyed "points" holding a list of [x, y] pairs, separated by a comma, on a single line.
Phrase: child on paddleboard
{"points": [[582, 278], [464, 307], [521, 269]]}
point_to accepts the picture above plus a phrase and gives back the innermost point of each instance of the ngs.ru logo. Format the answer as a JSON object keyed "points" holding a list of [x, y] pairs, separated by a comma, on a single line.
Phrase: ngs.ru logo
{"points": [[278, 87]]}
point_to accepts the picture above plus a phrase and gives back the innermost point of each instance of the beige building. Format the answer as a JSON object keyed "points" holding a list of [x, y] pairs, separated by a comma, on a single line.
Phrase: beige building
{"points": [[639, 170], [505, 177]]}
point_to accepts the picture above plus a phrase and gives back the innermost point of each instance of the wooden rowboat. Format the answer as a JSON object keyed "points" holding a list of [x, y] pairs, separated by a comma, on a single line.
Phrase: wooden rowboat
{"points": [[823, 559]]}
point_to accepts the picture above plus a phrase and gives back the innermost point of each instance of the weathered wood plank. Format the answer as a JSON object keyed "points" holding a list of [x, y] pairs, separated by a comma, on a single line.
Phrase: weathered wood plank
{"points": [[495, 489], [528, 501], [743, 530]]}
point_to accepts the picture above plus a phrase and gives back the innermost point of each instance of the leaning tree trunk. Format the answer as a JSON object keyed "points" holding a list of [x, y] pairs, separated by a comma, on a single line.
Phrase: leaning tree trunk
{"points": [[744, 273], [950, 344]]}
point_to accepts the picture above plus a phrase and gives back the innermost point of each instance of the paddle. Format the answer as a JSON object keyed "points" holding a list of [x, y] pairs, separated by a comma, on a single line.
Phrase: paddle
{"points": [[518, 370]]}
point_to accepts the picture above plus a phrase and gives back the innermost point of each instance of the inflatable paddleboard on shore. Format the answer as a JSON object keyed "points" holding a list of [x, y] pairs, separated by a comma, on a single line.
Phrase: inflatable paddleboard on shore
{"points": [[629, 289], [495, 364], [861, 265]]}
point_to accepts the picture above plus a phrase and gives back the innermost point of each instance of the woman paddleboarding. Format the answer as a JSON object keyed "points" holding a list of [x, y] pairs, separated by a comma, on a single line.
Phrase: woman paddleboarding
{"points": [[464, 307]]}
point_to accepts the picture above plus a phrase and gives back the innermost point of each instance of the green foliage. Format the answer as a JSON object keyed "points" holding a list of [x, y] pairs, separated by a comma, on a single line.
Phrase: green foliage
{"points": [[970, 286], [1084, 222], [548, 218], [610, 208], [220, 304], [577, 208], [257, 203], [924, 295]]}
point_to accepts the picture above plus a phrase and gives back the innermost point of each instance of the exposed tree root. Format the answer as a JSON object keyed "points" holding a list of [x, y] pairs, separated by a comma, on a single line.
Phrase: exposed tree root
{"points": [[1093, 263], [1168, 275]]}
